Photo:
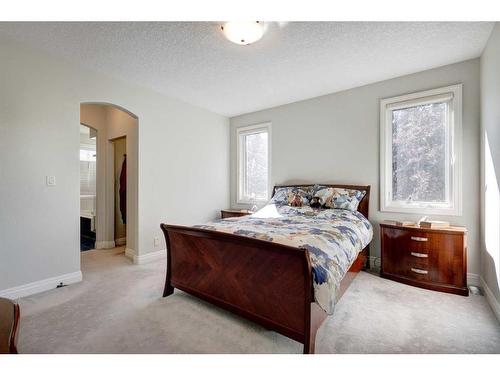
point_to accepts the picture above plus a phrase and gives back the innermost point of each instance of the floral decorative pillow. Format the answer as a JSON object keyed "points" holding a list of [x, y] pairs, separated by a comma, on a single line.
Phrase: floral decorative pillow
{"points": [[329, 197], [292, 196]]}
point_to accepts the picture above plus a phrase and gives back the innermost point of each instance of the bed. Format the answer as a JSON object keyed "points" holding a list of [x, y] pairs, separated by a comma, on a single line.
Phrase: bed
{"points": [[267, 267]]}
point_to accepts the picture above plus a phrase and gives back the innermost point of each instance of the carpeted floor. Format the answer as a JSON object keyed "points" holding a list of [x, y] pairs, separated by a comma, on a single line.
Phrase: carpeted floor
{"points": [[118, 309]]}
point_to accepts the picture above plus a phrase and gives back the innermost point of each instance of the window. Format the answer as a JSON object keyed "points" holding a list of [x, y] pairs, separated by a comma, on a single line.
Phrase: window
{"points": [[87, 155], [420, 152], [253, 163]]}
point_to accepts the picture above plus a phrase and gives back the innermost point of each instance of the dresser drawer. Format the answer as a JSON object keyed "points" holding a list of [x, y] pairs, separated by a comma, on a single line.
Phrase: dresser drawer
{"points": [[403, 250], [426, 256], [418, 272], [419, 259], [409, 241]]}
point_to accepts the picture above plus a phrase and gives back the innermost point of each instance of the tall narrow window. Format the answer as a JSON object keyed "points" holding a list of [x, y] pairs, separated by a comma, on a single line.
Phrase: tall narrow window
{"points": [[421, 152], [253, 163]]}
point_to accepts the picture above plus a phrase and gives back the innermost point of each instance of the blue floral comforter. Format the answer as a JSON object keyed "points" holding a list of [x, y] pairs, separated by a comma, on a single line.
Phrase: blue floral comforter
{"points": [[334, 237]]}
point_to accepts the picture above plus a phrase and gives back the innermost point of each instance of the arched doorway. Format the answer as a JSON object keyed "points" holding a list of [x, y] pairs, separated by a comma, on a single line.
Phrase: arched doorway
{"points": [[116, 211]]}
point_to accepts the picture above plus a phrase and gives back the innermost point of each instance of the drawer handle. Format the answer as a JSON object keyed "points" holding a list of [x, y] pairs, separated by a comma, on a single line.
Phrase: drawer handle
{"points": [[419, 255], [420, 239], [418, 270]]}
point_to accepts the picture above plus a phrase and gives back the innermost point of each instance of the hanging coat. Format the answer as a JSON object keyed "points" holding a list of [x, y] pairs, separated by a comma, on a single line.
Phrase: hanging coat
{"points": [[123, 190]]}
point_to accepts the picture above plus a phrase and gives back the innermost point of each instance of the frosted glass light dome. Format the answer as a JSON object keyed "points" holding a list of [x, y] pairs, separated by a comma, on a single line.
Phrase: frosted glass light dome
{"points": [[243, 33]]}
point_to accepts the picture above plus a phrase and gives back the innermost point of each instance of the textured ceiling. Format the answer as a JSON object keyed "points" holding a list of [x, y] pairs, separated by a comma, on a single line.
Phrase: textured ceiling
{"points": [[192, 61]]}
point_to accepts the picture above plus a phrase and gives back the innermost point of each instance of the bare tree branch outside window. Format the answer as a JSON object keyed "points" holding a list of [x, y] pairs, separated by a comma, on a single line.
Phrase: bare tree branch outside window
{"points": [[419, 153], [256, 165]]}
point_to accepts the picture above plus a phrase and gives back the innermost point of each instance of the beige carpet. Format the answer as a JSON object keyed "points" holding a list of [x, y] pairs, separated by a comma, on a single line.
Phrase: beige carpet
{"points": [[118, 309]]}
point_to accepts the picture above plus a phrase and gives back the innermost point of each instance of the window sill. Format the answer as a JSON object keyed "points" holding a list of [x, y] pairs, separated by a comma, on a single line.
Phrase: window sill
{"points": [[423, 210], [251, 203]]}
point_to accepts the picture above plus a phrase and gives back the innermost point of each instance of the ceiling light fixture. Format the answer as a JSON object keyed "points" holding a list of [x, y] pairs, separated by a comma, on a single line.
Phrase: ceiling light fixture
{"points": [[243, 33]]}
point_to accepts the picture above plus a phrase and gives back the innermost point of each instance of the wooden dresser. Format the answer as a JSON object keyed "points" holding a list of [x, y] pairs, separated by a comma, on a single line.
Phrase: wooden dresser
{"points": [[428, 258], [224, 214]]}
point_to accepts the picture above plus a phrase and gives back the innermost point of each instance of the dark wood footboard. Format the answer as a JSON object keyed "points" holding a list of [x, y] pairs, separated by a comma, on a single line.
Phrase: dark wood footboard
{"points": [[265, 282], [269, 283]]}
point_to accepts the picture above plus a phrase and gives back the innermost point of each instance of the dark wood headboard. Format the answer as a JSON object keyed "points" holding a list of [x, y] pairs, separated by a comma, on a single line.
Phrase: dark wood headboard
{"points": [[363, 205]]}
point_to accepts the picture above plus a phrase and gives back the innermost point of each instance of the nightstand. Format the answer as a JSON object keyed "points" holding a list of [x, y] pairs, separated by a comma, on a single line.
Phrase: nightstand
{"points": [[428, 258], [224, 214]]}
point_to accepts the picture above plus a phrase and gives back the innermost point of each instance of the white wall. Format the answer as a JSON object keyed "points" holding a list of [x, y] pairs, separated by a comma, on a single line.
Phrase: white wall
{"points": [[490, 167], [183, 161], [335, 138]]}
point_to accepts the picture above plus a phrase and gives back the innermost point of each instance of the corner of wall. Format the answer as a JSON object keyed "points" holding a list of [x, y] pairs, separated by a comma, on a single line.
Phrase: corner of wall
{"points": [[490, 170]]}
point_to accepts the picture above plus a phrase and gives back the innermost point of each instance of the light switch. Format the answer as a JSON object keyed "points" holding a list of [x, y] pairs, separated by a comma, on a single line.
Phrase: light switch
{"points": [[51, 180], [157, 241]]}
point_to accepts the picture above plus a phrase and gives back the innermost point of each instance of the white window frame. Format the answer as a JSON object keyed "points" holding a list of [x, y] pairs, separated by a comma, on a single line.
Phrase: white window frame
{"points": [[240, 162], [451, 94]]}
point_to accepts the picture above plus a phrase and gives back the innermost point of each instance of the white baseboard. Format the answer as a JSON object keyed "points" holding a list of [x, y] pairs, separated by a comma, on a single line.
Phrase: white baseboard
{"points": [[104, 244], [130, 253], [490, 297], [473, 279], [121, 241], [150, 257], [41, 285], [145, 258], [374, 262]]}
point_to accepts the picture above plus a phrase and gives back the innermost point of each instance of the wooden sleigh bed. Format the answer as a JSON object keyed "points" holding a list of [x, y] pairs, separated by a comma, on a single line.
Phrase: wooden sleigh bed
{"points": [[266, 282]]}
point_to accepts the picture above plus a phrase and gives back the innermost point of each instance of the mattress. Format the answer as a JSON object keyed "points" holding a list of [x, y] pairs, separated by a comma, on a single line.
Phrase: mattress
{"points": [[333, 237]]}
